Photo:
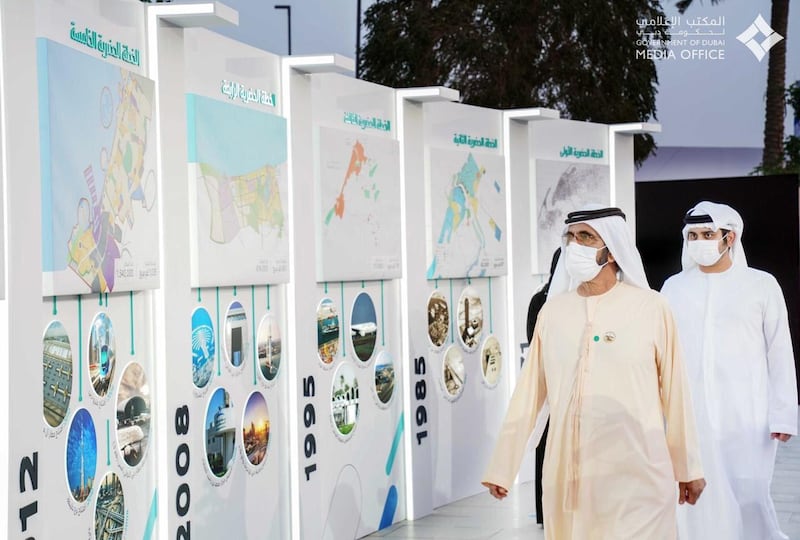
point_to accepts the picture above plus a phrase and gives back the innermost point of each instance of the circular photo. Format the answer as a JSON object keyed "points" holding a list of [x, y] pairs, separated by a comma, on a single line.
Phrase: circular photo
{"points": [[384, 377], [454, 373], [220, 433], [491, 361], [344, 400], [438, 319], [133, 414], [237, 337], [57, 373], [269, 347], [470, 318], [102, 354], [204, 347], [363, 326], [109, 513], [255, 428], [327, 331], [81, 455]]}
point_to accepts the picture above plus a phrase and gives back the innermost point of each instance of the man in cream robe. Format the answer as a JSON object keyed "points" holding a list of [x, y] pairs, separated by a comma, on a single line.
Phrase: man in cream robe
{"points": [[607, 359], [735, 332]]}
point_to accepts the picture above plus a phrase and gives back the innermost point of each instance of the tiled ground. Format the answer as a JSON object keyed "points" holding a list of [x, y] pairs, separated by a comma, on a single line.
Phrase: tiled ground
{"points": [[481, 517]]}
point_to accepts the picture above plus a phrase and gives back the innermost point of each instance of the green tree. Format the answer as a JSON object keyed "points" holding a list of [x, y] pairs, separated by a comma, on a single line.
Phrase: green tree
{"points": [[772, 159], [581, 60]]}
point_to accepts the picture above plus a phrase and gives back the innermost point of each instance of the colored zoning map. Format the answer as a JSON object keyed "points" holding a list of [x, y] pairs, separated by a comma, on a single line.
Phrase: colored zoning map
{"points": [[99, 187], [360, 198], [239, 189], [464, 203]]}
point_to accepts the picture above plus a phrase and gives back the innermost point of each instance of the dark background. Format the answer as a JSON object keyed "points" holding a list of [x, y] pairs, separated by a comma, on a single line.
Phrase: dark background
{"points": [[771, 238]]}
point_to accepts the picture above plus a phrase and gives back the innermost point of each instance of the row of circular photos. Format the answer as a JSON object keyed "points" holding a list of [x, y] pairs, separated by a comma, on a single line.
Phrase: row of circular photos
{"points": [[454, 372], [469, 319], [133, 394], [236, 344], [363, 329]]}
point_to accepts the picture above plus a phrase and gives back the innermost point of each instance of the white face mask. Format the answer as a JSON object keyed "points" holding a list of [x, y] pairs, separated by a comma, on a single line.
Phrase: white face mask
{"points": [[581, 262], [705, 252]]}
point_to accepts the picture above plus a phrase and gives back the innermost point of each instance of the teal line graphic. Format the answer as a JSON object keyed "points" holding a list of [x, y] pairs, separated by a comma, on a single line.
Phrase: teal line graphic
{"points": [[490, 306], [80, 350], [199, 296], [151, 517], [219, 368], [435, 283], [108, 442], [267, 297], [326, 287], [398, 436], [55, 309], [452, 313], [133, 349], [255, 338], [106, 299], [469, 281], [341, 326], [100, 298], [383, 322], [234, 290], [362, 283]]}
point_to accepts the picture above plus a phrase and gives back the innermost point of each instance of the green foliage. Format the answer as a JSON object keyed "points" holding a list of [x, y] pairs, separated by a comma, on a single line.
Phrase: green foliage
{"points": [[579, 59], [791, 144]]}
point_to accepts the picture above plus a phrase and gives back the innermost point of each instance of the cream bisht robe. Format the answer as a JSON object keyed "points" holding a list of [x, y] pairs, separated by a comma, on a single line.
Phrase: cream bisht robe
{"points": [[610, 367]]}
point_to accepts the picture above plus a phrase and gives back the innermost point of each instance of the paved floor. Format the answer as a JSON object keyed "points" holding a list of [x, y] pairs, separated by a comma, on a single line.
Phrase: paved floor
{"points": [[481, 517]]}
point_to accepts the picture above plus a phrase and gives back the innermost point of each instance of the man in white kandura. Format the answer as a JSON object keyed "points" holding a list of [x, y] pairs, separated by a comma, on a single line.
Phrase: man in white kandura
{"points": [[735, 333], [621, 448]]}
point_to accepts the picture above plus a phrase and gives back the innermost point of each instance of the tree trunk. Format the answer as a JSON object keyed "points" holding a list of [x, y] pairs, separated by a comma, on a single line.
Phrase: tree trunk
{"points": [[776, 91]]}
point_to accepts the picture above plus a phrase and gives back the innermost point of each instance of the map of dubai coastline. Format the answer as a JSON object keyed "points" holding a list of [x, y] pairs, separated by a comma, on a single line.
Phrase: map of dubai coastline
{"points": [[237, 171], [99, 218], [359, 194], [467, 214]]}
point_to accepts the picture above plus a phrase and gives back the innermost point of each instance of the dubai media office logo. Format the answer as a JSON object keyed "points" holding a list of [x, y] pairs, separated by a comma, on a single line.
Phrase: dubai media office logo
{"points": [[748, 37]]}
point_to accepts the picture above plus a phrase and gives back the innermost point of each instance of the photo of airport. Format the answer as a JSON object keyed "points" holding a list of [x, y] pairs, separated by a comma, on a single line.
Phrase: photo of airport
{"points": [[109, 514], [237, 338], [384, 377], [81, 455], [57, 373], [438, 319], [102, 354], [327, 330], [204, 347], [255, 428], [133, 414], [344, 400], [363, 326], [470, 318], [269, 347], [220, 433]]}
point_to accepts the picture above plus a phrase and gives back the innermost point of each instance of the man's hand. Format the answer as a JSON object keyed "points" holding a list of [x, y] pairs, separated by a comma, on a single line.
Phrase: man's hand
{"points": [[690, 491], [783, 437], [496, 491]]}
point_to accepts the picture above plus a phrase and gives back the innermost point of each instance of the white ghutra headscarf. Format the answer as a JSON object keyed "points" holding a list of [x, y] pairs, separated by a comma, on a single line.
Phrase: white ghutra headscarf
{"points": [[611, 226], [714, 216]]}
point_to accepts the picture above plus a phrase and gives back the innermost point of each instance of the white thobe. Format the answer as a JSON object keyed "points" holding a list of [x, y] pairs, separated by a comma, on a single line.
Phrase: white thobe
{"points": [[735, 332], [610, 367]]}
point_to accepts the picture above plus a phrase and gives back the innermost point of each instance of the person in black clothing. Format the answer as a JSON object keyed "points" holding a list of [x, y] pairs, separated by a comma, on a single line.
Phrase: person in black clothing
{"points": [[537, 301]]}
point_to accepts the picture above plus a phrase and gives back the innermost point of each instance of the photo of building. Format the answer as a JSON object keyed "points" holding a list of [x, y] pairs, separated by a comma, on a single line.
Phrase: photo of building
{"points": [[220, 433], [57, 374], [109, 514]]}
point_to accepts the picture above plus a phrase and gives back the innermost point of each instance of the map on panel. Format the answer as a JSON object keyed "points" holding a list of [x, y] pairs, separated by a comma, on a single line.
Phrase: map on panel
{"points": [[237, 174], [359, 192], [467, 215], [99, 214]]}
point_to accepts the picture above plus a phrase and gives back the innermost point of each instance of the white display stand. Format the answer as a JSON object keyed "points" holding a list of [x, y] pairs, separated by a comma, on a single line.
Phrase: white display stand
{"points": [[348, 483], [82, 451], [451, 424], [216, 477]]}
